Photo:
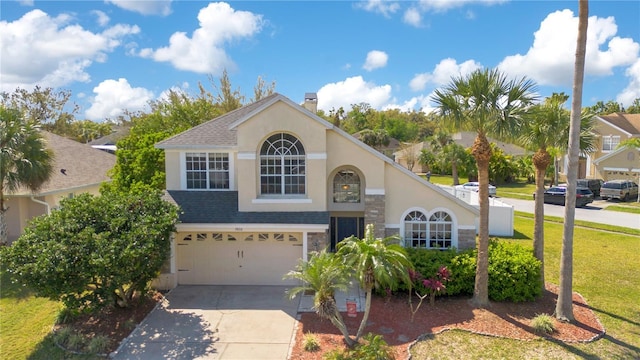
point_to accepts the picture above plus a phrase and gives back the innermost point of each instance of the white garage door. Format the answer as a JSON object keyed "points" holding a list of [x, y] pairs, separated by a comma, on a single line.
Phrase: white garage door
{"points": [[237, 258]]}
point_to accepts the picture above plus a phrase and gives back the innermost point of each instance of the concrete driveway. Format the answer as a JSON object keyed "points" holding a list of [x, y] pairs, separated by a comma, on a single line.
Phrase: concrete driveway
{"points": [[216, 322]]}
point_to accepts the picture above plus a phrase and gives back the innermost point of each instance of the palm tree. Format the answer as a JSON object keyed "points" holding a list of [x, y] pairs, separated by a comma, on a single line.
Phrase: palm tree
{"points": [[24, 159], [443, 144], [323, 274], [547, 127], [377, 263], [489, 104], [564, 305]]}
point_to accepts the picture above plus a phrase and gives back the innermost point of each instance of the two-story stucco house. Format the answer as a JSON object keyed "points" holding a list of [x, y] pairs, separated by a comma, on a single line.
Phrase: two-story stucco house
{"points": [[262, 186]]}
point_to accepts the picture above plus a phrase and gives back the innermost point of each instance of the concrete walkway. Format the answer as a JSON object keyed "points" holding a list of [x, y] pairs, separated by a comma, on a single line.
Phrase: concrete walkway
{"points": [[216, 322]]}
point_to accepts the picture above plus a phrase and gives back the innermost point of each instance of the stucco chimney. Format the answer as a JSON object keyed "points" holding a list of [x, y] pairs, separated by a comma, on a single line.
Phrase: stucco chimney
{"points": [[311, 102]]}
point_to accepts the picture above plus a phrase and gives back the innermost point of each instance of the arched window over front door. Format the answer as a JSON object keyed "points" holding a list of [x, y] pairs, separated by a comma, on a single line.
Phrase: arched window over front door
{"points": [[282, 166], [346, 187]]}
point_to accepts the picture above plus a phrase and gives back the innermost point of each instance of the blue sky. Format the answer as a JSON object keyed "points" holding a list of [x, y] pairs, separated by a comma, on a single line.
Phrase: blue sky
{"points": [[117, 55]]}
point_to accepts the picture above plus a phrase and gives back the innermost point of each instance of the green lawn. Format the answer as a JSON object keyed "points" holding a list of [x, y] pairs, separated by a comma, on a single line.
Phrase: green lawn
{"points": [[606, 268]]}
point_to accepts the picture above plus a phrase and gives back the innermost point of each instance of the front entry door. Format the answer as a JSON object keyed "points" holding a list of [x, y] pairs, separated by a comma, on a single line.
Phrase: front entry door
{"points": [[343, 227]]}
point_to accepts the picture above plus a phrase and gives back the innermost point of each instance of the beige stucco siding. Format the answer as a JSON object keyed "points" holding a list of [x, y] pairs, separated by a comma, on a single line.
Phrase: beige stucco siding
{"points": [[253, 132], [409, 193], [624, 165], [172, 163], [343, 152]]}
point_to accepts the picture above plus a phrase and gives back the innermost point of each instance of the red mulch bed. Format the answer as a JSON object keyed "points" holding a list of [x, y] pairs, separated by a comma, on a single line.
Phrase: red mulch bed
{"points": [[392, 318]]}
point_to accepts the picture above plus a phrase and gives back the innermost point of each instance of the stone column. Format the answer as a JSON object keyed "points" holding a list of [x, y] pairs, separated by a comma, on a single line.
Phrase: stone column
{"points": [[374, 213]]}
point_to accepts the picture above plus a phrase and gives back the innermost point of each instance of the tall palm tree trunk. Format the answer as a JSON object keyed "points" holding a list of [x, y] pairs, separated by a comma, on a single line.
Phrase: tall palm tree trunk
{"points": [[541, 161], [564, 306], [454, 172], [4, 230], [481, 150]]}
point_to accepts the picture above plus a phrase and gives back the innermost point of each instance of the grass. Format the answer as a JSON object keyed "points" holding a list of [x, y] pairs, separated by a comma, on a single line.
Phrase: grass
{"points": [[605, 271]]}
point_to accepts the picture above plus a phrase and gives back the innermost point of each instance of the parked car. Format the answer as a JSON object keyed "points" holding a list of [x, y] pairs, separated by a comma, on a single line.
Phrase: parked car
{"points": [[619, 189], [593, 184], [475, 187], [557, 195]]}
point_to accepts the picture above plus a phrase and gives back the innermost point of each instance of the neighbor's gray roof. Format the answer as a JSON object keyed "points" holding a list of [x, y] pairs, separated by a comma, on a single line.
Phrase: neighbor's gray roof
{"points": [[627, 122], [221, 207], [466, 139], [215, 131], [83, 166]]}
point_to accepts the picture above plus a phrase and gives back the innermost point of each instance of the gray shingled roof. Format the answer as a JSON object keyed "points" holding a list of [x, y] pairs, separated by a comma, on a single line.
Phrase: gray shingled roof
{"points": [[214, 131], [221, 207], [82, 164]]}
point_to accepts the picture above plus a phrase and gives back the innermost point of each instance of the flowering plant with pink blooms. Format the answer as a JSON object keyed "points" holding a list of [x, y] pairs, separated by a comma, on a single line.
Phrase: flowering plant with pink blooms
{"points": [[431, 286]]}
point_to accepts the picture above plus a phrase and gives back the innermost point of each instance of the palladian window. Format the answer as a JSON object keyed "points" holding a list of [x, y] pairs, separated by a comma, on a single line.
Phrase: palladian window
{"points": [[282, 166]]}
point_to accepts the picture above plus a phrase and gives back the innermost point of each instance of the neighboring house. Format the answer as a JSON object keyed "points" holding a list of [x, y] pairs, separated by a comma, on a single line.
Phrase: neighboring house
{"points": [[608, 162], [264, 185], [108, 142], [78, 168], [464, 139]]}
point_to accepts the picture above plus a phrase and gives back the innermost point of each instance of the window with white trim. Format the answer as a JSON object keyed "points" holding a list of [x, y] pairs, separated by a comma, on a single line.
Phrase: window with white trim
{"points": [[436, 232], [610, 142], [282, 166], [415, 230], [207, 170]]}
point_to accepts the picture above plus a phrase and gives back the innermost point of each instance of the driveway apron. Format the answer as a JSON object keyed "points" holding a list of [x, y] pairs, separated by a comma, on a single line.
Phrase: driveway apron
{"points": [[216, 322]]}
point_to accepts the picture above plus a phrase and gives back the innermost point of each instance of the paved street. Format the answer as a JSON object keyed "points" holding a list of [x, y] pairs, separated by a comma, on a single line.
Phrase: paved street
{"points": [[595, 212]]}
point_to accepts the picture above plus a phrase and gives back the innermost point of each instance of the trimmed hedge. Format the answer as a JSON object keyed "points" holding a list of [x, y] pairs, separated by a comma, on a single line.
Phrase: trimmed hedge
{"points": [[514, 273]]}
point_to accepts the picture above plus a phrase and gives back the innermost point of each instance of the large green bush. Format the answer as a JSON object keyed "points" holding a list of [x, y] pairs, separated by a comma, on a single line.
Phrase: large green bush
{"points": [[95, 250], [514, 273]]}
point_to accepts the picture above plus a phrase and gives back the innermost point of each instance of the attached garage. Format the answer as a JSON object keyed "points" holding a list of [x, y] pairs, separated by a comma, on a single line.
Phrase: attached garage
{"points": [[237, 258]]}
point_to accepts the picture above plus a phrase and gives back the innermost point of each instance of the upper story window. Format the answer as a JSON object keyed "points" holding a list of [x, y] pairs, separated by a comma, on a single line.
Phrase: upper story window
{"points": [[346, 187], [282, 166], [609, 143], [207, 170]]}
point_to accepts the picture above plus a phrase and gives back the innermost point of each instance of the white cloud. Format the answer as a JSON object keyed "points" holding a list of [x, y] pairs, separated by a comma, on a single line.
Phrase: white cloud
{"points": [[26, 2], [204, 52], [375, 59], [353, 90], [114, 97], [550, 60], [144, 7], [442, 73], [420, 103], [632, 91], [49, 51], [412, 17], [445, 5], [386, 8], [101, 17]]}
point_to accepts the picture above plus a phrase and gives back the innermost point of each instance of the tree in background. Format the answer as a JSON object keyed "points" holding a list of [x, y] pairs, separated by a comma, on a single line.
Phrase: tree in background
{"points": [[95, 250], [489, 104], [25, 160], [564, 305], [137, 159]]}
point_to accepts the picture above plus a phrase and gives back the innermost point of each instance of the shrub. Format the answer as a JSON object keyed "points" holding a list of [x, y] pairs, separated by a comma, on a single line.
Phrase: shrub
{"points": [[310, 342], [543, 324], [75, 342], [514, 273], [373, 348], [98, 344]]}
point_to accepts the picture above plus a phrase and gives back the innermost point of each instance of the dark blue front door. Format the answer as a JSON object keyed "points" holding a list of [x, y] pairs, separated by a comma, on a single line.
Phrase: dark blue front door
{"points": [[343, 227]]}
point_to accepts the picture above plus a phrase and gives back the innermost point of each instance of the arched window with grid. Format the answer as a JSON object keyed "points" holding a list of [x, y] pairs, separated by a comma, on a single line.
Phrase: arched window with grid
{"points": [[282, 166]]}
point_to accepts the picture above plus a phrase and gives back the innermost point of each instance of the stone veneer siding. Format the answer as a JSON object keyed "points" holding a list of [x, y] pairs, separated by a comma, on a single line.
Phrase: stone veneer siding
{"points": [[374, 213], [317, 242], [466, 239]]}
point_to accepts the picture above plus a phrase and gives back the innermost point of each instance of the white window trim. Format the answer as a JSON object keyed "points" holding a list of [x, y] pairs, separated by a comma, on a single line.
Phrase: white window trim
{"points": [[610, 138], [183, 170], [454, 222]]}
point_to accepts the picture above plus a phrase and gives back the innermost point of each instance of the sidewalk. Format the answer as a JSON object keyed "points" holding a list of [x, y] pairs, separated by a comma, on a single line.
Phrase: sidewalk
{"points": [[354, 292]]}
